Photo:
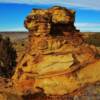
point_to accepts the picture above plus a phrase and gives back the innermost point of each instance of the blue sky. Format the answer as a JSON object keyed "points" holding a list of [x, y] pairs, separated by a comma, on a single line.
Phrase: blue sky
{"points": [[13, 13]]}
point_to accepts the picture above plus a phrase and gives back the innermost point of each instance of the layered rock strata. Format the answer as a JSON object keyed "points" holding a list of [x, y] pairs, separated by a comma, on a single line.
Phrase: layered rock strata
{"points": [[57, 61]]}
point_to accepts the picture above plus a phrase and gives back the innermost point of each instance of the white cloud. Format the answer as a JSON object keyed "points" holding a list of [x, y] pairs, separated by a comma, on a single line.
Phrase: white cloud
{"points": [[90, 27], [83, 27], [88, 4], [88, 24], [13, 29]]}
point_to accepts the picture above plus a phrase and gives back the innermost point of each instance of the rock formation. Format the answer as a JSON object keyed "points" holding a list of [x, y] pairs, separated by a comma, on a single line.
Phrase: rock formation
{"points": [[57, 60]]}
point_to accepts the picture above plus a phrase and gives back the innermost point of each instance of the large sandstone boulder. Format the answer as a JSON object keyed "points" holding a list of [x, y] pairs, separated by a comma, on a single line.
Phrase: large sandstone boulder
{"points": [[57, 61]]}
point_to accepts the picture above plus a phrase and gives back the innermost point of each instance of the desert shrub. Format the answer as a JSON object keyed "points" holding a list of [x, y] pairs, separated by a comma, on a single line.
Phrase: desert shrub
{"points": [[7, 57], [94, 39]]}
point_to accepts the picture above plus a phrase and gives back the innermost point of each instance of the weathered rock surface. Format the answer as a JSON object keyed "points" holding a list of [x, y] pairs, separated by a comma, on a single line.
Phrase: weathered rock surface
{"points": [[57, 61]]}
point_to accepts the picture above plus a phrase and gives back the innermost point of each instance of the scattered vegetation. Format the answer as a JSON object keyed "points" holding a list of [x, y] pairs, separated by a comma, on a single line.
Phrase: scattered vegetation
{"points": [[94, 39], [7, 57]]}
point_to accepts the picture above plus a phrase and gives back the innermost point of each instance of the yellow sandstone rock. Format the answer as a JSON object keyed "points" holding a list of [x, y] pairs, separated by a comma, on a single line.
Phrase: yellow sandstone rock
{"points": [[57, 60]]}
